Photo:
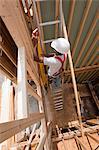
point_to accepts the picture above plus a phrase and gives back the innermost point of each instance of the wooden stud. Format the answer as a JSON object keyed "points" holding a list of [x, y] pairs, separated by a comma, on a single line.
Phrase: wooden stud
{"points": [[31, 136], [73, 77], [93, 57], [22, 106], [9, 53], [33, 93], [8, 65], [56, 16], [71, 13]]}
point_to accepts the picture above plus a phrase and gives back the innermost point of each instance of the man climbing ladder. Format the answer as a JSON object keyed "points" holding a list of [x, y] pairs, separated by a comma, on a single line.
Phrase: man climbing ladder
{"points": [[55, 60]]}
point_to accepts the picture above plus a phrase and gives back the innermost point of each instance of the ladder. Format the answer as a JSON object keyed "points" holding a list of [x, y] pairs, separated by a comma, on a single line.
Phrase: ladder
{"points": [[41, 25]]}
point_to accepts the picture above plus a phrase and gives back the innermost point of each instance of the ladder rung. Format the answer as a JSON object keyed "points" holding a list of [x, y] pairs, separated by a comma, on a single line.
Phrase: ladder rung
{"points": [[49, 23], [58, 104], [48, 41], [59, 109], [56, 98], [40, 0], [58, 101]]}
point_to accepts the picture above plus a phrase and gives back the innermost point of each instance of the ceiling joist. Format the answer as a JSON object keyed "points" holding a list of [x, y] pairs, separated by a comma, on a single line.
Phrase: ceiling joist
{"points": [[90, 49], [82, 23], [91, 29]]}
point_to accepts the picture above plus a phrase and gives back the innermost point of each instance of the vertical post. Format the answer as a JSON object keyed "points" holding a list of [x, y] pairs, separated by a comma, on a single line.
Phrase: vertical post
{"points": [[22, 107], [6, 112], [21, 99], [73, 77], [60, 17], [43, 122]]}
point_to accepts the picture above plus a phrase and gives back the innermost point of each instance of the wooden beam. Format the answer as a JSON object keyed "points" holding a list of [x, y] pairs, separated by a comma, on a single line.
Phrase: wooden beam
{"points": [[70, 135], [31, 137], [9, 129], [43, 132], [22, 105], [93, 57], [56, 16], [41, 143], [91, 29], [89, 50], [83, 69], [38, 25], [6, 73], [71, 13], [73, 76], [32, 74], [9, 53], [8, 65], [82, 23], [33, 93], [40, 20]]}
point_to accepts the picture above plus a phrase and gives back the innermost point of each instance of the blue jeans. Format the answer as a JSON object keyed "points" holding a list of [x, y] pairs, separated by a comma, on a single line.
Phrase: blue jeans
{"points": [[56, 82]]}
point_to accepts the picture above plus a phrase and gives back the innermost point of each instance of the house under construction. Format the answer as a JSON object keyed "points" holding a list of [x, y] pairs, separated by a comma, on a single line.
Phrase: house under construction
{"points": [[34, 114]]}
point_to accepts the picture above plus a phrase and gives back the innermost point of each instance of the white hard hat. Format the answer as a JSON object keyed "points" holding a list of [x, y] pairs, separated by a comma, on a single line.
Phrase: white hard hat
{"points": [[61, 45]]}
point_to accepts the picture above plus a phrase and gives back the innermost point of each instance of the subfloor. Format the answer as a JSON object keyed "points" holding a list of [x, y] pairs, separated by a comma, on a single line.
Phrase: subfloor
{"points": [[72, 145]]}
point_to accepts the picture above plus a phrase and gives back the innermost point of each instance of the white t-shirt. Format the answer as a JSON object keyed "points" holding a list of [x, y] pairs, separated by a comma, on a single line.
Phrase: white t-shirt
{"points": [[53, 63]]}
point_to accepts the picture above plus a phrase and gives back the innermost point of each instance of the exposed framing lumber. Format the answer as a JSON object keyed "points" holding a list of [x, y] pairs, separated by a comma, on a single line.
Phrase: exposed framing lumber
{"points": [[6, 37], [41, 143], [9, 129], [56, 16], [40, 20], [93, 57], [90, 49], [80, 78], [31, 136], [87, 37], [73, 77], [61, 10], [43, 133], [84, 69], [32, 74], [38, 25], [71, 12], [33, 93], [21, 31], [22, 105], [94, 75], [9, 53], [6, 73], [82, 23], [8, 65], [70, 135]]}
